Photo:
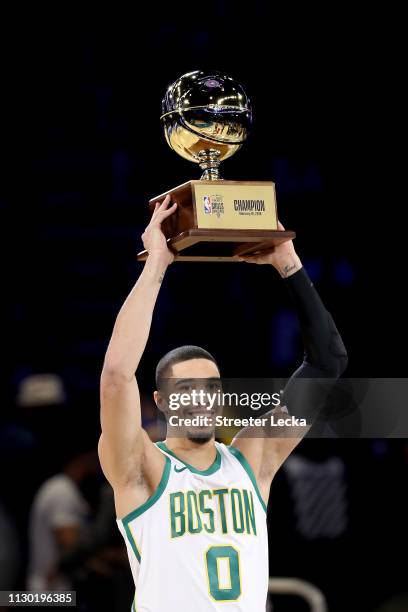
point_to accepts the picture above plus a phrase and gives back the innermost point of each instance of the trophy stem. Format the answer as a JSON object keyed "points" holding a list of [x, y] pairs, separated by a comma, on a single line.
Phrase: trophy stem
{"points": [[209, 161]]}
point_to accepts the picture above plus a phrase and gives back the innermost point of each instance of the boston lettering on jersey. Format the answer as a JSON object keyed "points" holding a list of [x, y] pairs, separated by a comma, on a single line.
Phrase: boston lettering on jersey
{"points": [[221, 510]]}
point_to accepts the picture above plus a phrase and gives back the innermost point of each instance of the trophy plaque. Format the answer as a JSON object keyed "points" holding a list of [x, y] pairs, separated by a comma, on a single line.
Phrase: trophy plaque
{"points": [[206, 119]]}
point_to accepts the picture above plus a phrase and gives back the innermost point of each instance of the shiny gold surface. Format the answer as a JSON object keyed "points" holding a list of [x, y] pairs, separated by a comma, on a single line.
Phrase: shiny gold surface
{"points": [[203, 112], [188, 144]]}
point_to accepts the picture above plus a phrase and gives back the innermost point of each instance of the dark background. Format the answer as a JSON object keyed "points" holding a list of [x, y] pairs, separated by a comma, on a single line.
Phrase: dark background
{"points": [[83, 151]]}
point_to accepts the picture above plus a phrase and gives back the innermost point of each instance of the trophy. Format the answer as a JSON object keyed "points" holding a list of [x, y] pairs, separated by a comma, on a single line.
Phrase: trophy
{"points": [[206, 119]]}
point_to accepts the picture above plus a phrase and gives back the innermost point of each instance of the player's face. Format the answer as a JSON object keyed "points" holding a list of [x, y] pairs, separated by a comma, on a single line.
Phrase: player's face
{"points": [[202, 377]]}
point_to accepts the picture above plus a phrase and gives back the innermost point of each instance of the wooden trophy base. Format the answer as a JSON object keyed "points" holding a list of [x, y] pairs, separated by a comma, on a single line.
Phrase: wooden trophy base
{"points": [[210, 245], [245, 210]]}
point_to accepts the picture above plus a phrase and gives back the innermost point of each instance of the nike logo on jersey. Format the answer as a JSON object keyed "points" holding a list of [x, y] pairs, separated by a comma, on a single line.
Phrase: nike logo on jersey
{"points": [[179, 470]]}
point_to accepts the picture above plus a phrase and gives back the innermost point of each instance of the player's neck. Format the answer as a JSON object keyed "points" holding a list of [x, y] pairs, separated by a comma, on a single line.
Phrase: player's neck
{"points": [[200, 455]]}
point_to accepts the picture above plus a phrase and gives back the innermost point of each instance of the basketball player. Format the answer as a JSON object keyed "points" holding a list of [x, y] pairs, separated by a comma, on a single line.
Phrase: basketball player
{"points": [[192, 511]]}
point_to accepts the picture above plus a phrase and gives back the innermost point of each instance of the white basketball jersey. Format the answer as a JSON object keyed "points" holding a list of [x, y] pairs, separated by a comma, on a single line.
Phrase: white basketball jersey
{"points": [[200, 542]]}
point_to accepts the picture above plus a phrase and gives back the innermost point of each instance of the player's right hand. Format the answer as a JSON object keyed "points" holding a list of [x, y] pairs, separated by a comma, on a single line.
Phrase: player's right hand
{"points": [[154, 241]]}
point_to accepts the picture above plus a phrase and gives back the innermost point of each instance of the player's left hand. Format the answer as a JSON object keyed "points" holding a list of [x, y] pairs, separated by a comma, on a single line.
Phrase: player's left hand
{"points": [[283, 257]]}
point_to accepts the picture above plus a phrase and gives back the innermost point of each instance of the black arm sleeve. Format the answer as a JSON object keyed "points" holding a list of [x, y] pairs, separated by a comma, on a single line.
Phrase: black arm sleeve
{"points": [[325, 356]]}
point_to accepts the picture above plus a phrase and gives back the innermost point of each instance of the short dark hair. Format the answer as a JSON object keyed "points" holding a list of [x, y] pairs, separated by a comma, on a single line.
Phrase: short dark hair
{"points": [[182, 353]]}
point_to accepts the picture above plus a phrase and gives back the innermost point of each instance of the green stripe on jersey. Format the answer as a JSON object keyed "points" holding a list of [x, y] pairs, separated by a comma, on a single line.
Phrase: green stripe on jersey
{"points": [[237, 453], [153, 499], [213, 468]]}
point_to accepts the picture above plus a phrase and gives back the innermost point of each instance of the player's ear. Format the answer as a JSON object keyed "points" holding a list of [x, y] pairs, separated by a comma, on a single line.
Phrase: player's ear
{"points": [[160, 401]]}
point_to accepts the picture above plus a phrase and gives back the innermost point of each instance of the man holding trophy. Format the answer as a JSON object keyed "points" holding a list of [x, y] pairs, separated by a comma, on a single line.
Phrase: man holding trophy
{"points": [[192, 511]]}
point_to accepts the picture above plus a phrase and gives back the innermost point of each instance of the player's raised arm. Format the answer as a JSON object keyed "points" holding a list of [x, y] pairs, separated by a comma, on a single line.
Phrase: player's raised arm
{"points": [[325, 359], [123, 443]]}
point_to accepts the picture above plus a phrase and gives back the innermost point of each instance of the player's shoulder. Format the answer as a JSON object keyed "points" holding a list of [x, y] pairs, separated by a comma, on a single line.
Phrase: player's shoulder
{"points": [[223, 448], [226, 451], [170, 457]]}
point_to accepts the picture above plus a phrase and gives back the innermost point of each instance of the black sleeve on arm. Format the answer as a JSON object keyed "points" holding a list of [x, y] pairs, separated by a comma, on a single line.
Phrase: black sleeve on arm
{"points": [[323, 346], [325, 356]]}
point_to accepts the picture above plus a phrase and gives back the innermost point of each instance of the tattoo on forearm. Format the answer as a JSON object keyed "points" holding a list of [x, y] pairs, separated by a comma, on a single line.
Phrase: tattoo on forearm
{"points": [[287, 270]]}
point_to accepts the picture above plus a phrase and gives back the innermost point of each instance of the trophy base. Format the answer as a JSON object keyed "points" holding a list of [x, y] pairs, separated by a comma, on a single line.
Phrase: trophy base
{"points": [[219, 245]]}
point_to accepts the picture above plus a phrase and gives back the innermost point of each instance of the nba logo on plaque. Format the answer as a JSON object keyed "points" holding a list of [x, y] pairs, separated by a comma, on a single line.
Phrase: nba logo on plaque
{"points": [[207, 205]]}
